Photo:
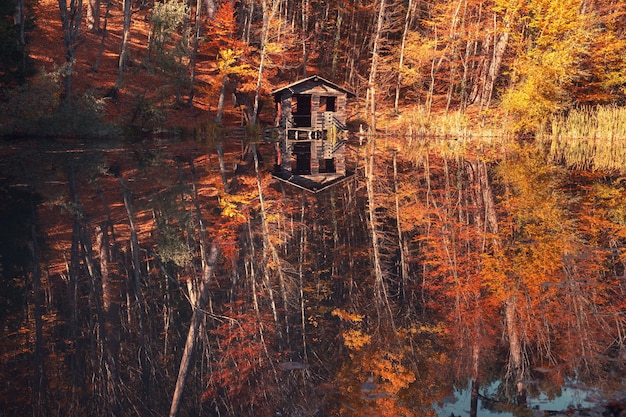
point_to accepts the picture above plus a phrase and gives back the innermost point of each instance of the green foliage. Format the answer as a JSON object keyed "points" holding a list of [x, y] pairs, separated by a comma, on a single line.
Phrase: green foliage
{"points": [[147, 112], [167, 18], [169, 42], [172, 247], [15, 64], [36, 109]]}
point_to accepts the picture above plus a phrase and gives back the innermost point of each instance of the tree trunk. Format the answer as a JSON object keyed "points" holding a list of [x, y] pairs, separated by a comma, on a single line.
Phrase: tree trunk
{"points": [[371, 84], [404, 267], [194, 52], [220, 157], [208, 266], [111, 302], [39, 374], [70, 23], [220, 101], [269, 11], [93, 15], [516, 368], [137, 279], [267, 244], [380, 286], [96, 65], [73, 275], [336, 42], [407, 22], [123, 57], [494, 68]]}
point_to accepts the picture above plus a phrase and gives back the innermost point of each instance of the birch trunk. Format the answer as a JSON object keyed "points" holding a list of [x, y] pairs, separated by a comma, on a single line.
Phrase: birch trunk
{"points": [[407, 21], [494, 68], [371, 84], [269, 11], [123, 57], [208, 266]]}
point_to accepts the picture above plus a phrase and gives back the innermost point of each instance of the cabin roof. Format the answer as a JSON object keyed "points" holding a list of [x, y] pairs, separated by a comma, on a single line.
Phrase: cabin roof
{"points": [[314, 78]]}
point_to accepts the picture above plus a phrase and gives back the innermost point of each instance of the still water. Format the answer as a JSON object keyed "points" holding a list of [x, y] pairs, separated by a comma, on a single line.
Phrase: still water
{"points": [[387, 294]]}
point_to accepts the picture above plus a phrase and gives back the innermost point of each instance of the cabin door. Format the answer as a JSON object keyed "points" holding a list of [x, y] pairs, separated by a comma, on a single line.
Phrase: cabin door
{"points": [[301, 110], [301, 159]]}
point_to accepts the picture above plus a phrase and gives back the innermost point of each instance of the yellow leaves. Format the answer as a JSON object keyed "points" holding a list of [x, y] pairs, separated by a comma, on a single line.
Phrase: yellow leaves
{"points": [[551, 49], [355, 339], [346, 316], [231, 206], [229, 62], [396, 375]]}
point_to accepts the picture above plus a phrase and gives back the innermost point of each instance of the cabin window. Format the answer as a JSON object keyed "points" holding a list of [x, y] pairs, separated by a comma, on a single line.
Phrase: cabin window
{"points": [[301, 110], [327, 166], [328, 103]]}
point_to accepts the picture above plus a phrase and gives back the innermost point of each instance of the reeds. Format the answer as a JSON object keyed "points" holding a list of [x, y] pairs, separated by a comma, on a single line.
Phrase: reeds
{"points": [[588, 138], [450, 134]]}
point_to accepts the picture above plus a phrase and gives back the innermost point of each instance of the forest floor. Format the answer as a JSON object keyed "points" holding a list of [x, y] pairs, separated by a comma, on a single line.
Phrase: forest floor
{"points": [[140, 83]]}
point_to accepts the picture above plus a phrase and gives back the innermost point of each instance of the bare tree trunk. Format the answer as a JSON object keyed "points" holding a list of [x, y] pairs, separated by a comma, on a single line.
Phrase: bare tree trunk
{"points": [[380, 286], [516, 369], [123, 57], [301, 258], [39, 374], [93, 15], [194, 52], [220, 156], [336, 42], [144, 363], [494, 68], [404, 267], [407, 22], [111, 302], [475, 379], [267, 244], [371, 84], [73, 275], [269, 11], [208, 266], [220, 102], [134, 242], [70, 22], [96, 65]]}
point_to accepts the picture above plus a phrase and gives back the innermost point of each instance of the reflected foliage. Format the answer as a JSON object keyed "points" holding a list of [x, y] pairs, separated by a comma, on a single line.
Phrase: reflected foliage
{"points": [[427, 272]]}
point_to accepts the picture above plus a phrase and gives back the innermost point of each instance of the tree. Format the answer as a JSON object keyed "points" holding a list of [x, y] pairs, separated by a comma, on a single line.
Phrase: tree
{"points": [[550, 45], [15, 63], [71, 19]]}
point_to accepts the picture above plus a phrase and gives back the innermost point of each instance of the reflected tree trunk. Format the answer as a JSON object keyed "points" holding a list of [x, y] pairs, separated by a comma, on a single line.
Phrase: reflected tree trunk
{"points": [[39, 370], [73, 278], [111, 302], [269, 246], [516, 368], [208, 266]]}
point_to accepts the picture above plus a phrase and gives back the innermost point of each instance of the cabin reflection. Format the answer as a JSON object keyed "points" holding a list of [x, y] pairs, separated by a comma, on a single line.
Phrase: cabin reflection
{"points": [[310, 133]]}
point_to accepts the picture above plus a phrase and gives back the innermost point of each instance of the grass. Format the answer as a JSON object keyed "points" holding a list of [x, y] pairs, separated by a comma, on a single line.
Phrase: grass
{"points": [[588, 138]]}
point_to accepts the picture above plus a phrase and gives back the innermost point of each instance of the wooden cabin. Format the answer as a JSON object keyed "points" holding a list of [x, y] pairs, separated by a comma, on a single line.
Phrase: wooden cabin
{"points": [[311, 125]]}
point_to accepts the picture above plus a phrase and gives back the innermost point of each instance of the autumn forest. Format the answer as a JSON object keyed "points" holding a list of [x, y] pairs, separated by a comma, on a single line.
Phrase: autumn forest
{"points": [[151, 264]]}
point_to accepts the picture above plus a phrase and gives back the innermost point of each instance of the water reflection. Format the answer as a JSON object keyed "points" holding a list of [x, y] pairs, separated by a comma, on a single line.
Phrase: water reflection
{"points": [[432, 283]]}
